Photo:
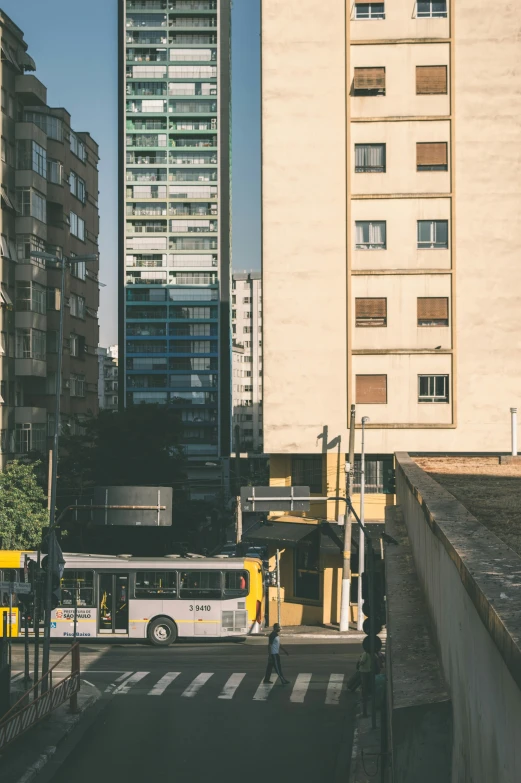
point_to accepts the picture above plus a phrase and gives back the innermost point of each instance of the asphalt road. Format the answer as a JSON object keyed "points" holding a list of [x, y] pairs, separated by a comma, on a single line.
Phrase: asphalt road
{"points": [[198, 712]]}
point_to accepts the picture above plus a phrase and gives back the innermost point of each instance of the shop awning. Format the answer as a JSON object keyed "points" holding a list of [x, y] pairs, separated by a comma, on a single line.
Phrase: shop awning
{"points": [[286, 533]]}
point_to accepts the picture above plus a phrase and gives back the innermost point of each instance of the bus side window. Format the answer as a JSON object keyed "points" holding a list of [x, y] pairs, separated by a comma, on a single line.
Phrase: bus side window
{"points": [[80, 583], [200, 584], [235, 584]]}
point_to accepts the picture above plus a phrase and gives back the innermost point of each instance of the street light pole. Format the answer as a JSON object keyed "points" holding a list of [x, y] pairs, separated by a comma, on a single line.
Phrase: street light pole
{"points": [[361, 545], [346, 554], [47, 604]]}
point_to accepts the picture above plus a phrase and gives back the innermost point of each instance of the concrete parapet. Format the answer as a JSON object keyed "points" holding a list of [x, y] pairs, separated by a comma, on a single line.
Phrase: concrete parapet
{"points": [[420, 709], [471, 581]]}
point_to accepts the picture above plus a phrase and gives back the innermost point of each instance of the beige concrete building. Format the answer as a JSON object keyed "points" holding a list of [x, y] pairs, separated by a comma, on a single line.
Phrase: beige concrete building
{"points": [[49, 194], [391, 201]]}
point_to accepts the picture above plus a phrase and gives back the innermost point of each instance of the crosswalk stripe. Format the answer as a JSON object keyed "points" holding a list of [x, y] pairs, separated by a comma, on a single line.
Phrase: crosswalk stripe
{"points": [[262, 692], [114, 684], [334, 688], [196, 685], [162, 684], [128, 683], [231, 686], [300, 688]]}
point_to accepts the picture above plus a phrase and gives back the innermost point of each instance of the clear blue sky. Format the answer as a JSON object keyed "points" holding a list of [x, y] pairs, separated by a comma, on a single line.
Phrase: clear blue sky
{"points": [[74, 45]]}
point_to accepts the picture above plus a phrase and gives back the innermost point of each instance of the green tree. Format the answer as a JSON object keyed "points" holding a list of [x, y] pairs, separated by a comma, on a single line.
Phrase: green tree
{"points": [[138, 446], [23, 512]]}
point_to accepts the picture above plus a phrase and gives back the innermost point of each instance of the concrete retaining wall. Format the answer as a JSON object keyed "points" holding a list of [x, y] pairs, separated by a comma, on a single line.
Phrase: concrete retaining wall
{"points": [[472, 586]]}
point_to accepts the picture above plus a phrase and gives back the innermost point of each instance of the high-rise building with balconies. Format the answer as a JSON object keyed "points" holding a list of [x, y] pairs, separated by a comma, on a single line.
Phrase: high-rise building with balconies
{"points": [[175, 215], [49, 194]]}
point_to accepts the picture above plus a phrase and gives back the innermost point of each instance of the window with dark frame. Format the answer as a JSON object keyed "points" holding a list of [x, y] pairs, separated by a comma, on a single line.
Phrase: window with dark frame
{"points": [[379, 474], [370, 158], [431, 80], [433, 234], [369, 81], [431, 8], [306, 570], [79, 582], [235, 584], [369, 10], [370, 235], [433, 311], [200, 584], [371, 311], [431, 156], [433, 388], [306, 471], [156, 584]]}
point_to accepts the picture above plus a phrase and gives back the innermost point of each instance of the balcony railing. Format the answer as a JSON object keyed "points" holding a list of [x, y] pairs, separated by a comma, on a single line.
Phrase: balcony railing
{"points": [[196, 211], [138, 38], [132, 229], [154, 90], [192, 142], [193, 22], [146, 176], [139, 56], [140, 23], [193, 5]]}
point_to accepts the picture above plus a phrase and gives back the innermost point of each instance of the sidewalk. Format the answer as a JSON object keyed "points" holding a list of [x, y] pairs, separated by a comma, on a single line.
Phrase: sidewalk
{"points": [[315, 632], [366, 756], [29, 754]]}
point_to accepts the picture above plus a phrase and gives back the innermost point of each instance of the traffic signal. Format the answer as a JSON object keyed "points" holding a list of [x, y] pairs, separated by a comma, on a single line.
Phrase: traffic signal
{"points": [[56, 583]]}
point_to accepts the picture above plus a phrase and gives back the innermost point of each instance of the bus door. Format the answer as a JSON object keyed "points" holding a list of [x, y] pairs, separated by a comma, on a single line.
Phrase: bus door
{"points": [[113, 603], [201, 591]]}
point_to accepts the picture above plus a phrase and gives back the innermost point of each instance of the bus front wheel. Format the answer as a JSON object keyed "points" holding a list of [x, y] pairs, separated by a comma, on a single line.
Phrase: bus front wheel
{"points": [[162, 632]]}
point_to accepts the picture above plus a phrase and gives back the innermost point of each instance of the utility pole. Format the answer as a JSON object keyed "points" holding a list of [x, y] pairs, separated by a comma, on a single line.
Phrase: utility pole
{"points": [[238, 517], [361, 545], [346, 563]]}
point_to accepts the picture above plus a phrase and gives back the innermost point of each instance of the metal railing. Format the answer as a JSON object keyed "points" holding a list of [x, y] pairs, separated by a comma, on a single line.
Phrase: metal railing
{"points": [[31, 708]]}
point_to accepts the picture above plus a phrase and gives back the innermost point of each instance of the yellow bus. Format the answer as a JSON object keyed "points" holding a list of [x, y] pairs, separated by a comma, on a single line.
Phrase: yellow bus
{"points": [[155, 598]]}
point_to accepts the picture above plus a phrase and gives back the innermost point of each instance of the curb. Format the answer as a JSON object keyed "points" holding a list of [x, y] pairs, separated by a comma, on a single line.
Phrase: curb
{"points": [[49, 752]]}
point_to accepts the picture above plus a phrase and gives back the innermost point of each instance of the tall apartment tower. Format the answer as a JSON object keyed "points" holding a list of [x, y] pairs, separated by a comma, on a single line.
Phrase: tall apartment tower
{"points": [[247, 362], [49, 194], [175, 215], [391, 209]]}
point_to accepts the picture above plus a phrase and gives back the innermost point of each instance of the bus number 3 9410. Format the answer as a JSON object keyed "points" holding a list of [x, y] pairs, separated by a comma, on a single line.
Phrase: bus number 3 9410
{"points": [[200, 608]]}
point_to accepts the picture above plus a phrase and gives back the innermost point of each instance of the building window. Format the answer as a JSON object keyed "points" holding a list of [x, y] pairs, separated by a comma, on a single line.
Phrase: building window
{"points": [[371, 389], [379, 474], [30, 344], [307, 472], [54, 172], [370, 158], [30, 203], [78, 269], [30, 437], [31, 297], [433, 234], [77, 385], [369, 81], [370, 234], [431, 80], [433, 388], [77, 186], [371, 312], [431, 156], [77, 306], [78, 148], [369, 11], [307, 574], [433, 311], [26, 244], [431, 8], [77, 226], [31, 156]]}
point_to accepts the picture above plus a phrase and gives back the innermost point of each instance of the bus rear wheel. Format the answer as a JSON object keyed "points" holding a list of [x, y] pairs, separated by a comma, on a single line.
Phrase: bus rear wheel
{"points": [[162, 632]]}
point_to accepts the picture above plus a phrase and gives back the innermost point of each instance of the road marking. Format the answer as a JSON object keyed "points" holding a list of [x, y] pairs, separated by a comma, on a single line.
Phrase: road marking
{"points": [[162, 684], [196, 685], [114, 684], [334, 688], [231, 686], [130, 682], [262, 692], [300, 688]]}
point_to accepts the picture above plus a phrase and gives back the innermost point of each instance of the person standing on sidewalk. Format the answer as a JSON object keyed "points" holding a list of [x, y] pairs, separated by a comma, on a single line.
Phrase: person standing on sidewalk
{"points": [[274, 647]]}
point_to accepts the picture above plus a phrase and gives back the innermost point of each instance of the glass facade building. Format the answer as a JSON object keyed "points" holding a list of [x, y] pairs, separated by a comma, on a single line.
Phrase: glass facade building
{"points": [[175, 214]]}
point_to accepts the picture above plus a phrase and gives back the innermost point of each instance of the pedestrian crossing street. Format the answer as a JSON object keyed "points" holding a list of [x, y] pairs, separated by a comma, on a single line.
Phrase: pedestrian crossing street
{"points": [[329, 687]]}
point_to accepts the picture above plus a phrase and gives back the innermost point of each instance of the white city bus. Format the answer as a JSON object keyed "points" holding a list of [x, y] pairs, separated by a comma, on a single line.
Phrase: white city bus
{"points": [[157, 598]]}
